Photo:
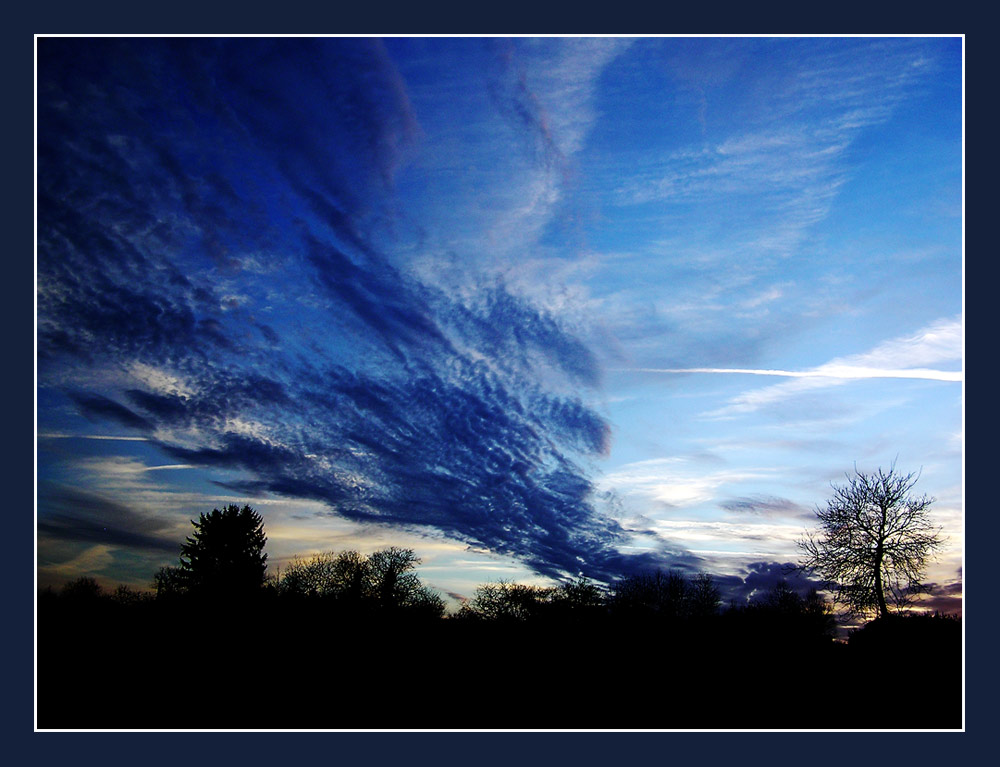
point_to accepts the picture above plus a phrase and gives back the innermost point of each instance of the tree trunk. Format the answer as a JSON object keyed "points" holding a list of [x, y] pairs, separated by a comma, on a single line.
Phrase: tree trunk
{"points": [[883, 609]]}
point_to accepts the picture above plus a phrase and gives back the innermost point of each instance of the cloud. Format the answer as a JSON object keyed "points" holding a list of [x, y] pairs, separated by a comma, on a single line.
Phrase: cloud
{"points": [[385, 398], [96, 406], [91, 436], [761, 577], [835, 371], [766, 506], [940, 342], [744, 205], [544, 90], [946, 599], [79, 516], [780, 155], [674, 482], [465, 456]]}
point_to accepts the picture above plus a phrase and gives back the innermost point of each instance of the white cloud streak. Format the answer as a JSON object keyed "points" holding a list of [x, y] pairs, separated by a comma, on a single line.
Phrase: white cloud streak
{"points": [[843, 372], [939, 342], [50, 435]]}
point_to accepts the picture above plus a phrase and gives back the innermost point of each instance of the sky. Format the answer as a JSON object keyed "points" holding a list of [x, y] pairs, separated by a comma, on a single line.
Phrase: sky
{"points": [[537, 308]]}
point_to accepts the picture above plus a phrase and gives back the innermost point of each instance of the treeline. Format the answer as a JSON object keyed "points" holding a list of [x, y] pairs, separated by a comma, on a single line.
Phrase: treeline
{"points": [[223, 567], [345, 640], [356, 641], [384, 584]]}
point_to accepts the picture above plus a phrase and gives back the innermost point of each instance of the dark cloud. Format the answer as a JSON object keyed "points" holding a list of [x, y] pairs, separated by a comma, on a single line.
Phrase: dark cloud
{"points": [[942, 598], [464, 455], [96, 406], [78, 516], [377, 296], [508, 88], [766, 506], [512, 332], [210, 207], [761, 577]]}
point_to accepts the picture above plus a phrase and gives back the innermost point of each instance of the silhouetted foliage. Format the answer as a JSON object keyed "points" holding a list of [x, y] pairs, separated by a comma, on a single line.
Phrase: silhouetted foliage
{"points": [[366, 624], [340, 576], [649, 595], [782, 611], [664, 597], [874, 541], [561, 644], [384, 581], [84, 589], [576, 601], [224, 557], [915, 635], [170, 583], [506, 602], [703, 597], [127, 597], [396, 586]]}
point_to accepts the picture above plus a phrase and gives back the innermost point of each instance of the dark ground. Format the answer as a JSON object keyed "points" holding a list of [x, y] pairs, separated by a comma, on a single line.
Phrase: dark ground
{"points": [[182, 668]]}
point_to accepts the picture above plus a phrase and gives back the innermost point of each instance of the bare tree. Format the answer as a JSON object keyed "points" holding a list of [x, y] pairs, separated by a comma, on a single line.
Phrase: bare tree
{"points": [[703, 596], [505, 601], [874, 541], [384, 579], [343, 576]]}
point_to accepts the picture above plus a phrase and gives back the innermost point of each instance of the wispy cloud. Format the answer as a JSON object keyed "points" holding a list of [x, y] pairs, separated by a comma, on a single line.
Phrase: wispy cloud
{"points": [[937, 343], [831, 370], [221, 276], [49, 435], [385, 398]]}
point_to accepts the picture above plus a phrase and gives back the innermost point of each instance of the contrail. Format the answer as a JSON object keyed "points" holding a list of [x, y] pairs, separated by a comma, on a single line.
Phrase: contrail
{"points": [[171, 466], [834, 371], [92, 436]]}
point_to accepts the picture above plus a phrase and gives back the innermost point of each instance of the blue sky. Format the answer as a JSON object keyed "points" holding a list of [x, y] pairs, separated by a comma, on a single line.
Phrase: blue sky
{"points": [[534, 307]]}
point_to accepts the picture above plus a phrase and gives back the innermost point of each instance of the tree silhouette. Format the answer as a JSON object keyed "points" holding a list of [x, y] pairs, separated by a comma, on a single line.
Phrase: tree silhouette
{"points": [[384, 580], [703, 597], [169, 583], [225, 555], [576, 600], [656, 595], [396, 586], [506, 602], [341, 576], [874, 541], [82, 590]]}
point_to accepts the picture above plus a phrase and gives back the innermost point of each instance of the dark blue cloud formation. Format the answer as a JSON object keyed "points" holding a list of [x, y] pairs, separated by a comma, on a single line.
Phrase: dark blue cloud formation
{"points": [[206, 210], [766, 506], [76, 515], [762, 577], [98, 407]]}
